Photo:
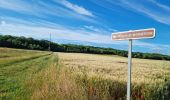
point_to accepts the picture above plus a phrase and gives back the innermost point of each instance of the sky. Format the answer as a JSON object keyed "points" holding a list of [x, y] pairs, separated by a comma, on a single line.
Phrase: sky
{"points": [[88, 22]]}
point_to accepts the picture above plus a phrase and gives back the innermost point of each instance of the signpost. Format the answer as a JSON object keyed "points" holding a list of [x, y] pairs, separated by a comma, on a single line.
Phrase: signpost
{"points": [[131, 35]]}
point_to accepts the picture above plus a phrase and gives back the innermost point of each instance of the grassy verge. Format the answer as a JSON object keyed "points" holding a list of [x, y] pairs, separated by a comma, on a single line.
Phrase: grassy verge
{"points": [[13, 77], [104, 89], [12, 56], [48, 78]]}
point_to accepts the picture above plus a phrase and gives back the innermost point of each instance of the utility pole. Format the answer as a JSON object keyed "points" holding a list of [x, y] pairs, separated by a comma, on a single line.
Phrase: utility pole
{"points": [[50, 43]]}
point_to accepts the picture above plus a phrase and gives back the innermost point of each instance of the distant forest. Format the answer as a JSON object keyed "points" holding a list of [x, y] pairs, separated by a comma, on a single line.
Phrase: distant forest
{"points": [[33, 44]]}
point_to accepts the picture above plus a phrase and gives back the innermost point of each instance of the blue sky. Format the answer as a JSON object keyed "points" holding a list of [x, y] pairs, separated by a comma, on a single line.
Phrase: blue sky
{"points": [[88, 22]]}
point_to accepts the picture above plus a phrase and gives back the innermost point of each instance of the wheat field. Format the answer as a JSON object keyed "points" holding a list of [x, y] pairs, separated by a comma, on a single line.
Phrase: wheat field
{"points": [[41, 75], [115, 67]]}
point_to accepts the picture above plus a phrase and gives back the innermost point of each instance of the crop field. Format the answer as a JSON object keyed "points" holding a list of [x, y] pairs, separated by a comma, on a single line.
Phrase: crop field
{"points": [[150, 78], [41, 75], [115, 67]]}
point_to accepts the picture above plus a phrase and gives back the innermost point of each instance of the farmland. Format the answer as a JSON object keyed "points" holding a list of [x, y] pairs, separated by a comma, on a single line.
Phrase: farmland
{"points": [[29, 74], [115, 67]]}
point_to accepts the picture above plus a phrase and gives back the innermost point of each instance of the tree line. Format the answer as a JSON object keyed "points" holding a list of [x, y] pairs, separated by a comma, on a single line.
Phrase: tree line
{"points": [[34, 44]]}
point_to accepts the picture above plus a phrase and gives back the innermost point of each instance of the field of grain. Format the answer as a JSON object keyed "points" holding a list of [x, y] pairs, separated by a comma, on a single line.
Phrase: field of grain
{"points": [[150, 78], [36, 75], [41, 75], [115, 67]]}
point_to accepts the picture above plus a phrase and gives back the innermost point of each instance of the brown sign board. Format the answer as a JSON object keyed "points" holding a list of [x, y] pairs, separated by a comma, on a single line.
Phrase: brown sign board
{"points": [[134, 34]]}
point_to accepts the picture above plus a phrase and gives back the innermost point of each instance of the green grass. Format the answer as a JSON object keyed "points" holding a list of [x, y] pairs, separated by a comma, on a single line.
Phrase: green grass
{"points": [[16, 70], [38, 75]]}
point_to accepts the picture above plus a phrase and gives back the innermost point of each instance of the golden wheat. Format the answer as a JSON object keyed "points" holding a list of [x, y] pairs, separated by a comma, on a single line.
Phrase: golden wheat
{"points": [[115, 67]]}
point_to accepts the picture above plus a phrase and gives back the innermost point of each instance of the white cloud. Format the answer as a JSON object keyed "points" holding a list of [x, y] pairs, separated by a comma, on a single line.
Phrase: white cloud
{"points": [[150, 8], [103, 30], [41, 30], [19, 6], [38, 8], [3, 23], [161, 5], [76, 8], [63, 33], [58, 33], [94, 29], [10, 4], [71, 34], [157, 11]]}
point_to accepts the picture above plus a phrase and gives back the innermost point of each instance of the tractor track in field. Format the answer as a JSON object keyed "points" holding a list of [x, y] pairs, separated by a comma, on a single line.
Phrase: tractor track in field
{"points": [[21, 60]]}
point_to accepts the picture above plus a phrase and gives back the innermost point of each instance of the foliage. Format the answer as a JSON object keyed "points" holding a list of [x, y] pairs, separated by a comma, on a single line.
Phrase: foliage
{"points": [[33, 44]]}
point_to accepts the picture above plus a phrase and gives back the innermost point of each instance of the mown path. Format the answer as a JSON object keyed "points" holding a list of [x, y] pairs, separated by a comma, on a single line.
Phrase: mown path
{"points": [[14, 73], [38, 75]]}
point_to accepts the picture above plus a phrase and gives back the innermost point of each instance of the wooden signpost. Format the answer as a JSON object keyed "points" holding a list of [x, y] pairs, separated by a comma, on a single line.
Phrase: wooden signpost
{"points": [[131, 35]]}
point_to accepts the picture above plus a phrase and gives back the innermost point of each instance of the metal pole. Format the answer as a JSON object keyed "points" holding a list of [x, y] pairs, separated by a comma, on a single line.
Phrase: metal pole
{"points": [[129, 70], [50, 43]]}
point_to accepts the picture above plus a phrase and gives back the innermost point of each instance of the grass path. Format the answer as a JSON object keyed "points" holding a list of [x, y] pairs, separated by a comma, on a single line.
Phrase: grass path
{"points": [[12, 77], [37, 75], [12, 56]]}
